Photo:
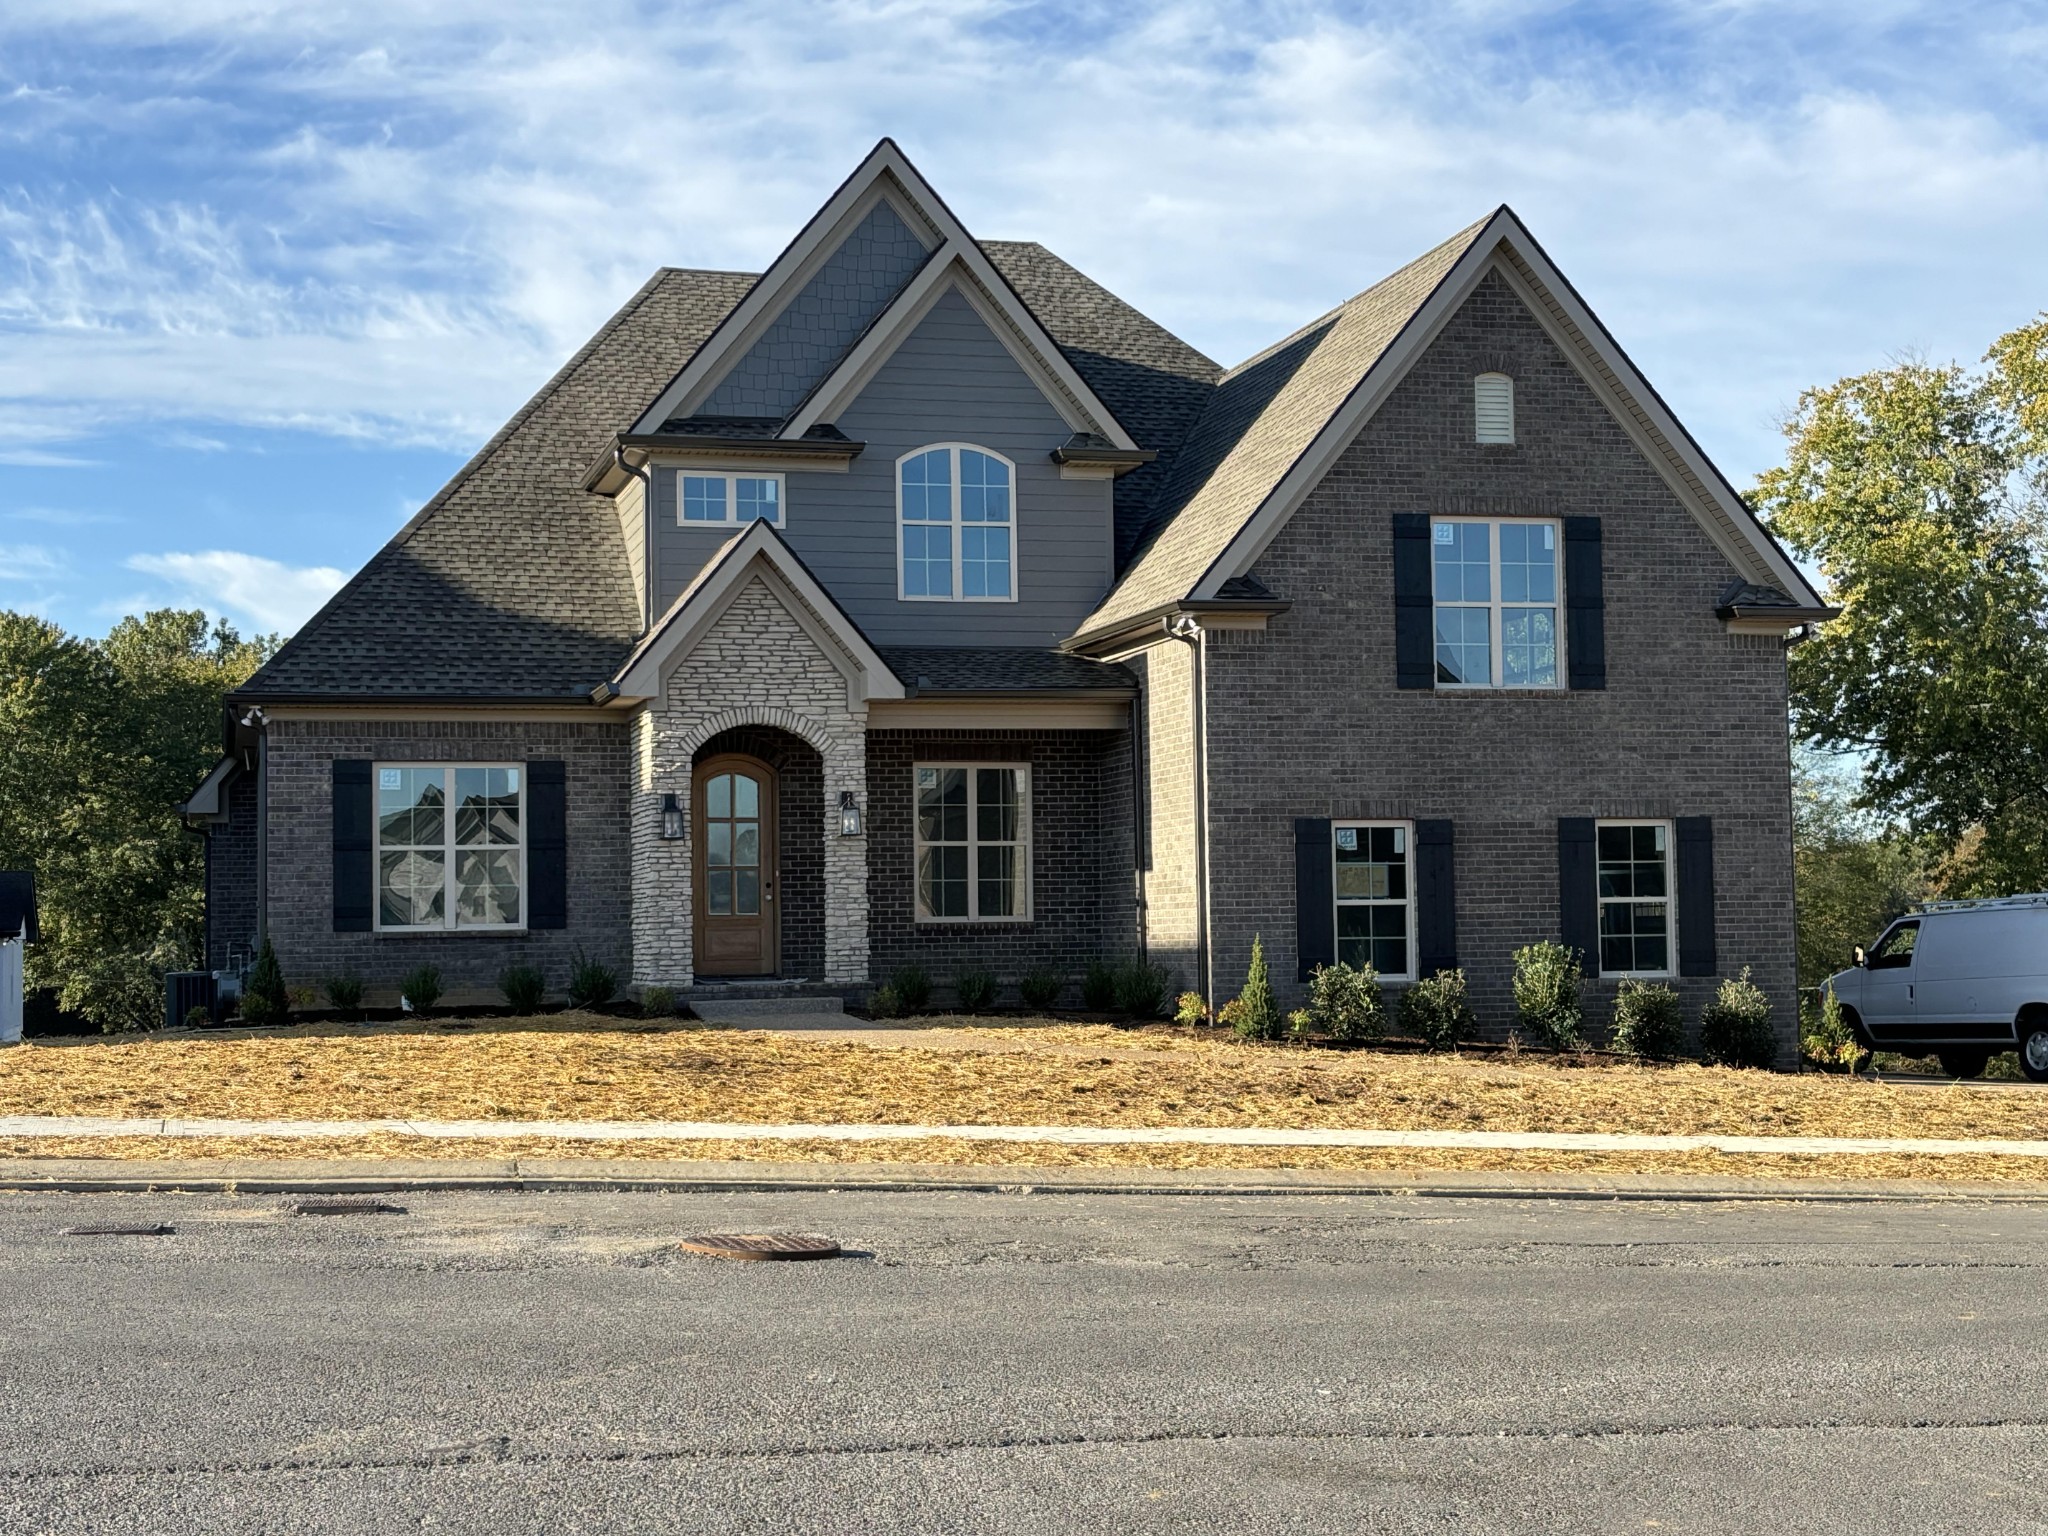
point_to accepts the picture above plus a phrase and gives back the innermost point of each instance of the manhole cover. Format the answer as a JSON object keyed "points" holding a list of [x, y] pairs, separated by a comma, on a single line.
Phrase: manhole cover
{"points": [[343, 1205], [141, 1229], [759, 1245]]}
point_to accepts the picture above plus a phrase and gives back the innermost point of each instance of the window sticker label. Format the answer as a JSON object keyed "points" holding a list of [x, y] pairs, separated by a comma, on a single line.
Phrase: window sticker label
{"points": [[1447, 533], [1347, 839], [1548, 533], [927, 778], [389, 778]]}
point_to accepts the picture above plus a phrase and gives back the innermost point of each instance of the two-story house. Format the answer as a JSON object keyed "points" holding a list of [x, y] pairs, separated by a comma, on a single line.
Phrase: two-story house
{"points": [[918, 600]]}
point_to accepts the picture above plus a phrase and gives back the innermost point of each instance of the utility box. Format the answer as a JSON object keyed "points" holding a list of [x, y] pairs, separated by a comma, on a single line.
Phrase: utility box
{"points": [[17, 931], [186, 990]]}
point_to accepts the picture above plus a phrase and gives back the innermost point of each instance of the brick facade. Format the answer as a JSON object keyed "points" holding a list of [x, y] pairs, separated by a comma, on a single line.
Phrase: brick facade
{"points": [[231, 877], [1305, 718], [1081, 870]]}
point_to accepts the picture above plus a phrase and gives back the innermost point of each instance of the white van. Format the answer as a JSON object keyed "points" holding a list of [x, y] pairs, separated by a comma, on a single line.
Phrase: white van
{"points": [[1961, 980]]}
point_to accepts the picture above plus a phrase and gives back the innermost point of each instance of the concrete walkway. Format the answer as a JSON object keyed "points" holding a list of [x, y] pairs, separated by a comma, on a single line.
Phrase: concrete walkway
{"points": [[55, 1126]]}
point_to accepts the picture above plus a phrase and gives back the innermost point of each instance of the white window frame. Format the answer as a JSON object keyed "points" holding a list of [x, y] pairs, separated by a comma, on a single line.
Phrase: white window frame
{"points": [[973, 846], [451, 851], [1601, 903], [1339, 902], [1479, 382], [732, 497], [957, 527], [1496, 604]]}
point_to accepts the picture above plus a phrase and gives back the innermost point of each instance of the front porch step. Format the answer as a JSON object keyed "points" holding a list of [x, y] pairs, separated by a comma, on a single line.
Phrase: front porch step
{"points": [[716, 1004]]}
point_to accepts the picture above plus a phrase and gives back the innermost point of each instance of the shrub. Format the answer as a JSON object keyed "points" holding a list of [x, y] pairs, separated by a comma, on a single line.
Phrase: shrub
{"points": [[1299, 1024], [1547, 982], [658, 1002], [1141, 990], [1190, 1008], [264, 998], [1735, 1028], [592, 983], [1098, 987], [1257, 1016], [1825, 1037], [975, 988], [1435, 1012], [421, 988], [1345, 1004], [1040, 987], [1648, 1020], [199, 1016], [913, 987], [885, 1002], [345, 994], [524, 986]]}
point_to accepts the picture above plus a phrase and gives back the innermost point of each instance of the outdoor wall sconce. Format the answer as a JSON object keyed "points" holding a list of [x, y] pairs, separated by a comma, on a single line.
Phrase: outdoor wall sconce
{"points": [[671, 819], [849, 815]]}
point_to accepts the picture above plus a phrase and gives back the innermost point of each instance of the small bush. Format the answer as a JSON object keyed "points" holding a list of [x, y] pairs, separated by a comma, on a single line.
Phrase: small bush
{"points": [[592, 983], [658, 1002], [976, 989], [421, 988], [1040, 987], [1141, 990], [345, 994], [885, 1002], [264, 998], [198, 1017], [1190, 1008], [1345, 1004], [1825, 1037], [1735, 1028], [524, 986], [913, 987], [1648, 1020], [1299, 1024], [1098, 987], [1258, 1016], [1435, 1012], [1547, 983]]}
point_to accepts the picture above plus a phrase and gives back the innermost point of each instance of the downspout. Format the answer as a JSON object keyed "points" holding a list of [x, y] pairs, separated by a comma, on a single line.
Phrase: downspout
{"points": [[256, 721], [646, 479], [1188, 629], [1140, 745]]}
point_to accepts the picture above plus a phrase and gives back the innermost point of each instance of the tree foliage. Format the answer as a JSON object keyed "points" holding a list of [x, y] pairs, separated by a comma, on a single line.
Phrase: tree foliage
{"points": [[1919, 492], [100, 741], [1854, 871]]}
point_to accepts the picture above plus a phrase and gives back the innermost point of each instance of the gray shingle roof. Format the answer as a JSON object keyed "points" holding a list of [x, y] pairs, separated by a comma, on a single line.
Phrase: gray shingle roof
{"points": [[934, 669], [1261, 417], [512, 582]]}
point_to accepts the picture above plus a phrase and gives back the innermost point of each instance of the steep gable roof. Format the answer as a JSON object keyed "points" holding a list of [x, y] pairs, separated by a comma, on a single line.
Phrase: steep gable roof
{"points": [[512, 582]]}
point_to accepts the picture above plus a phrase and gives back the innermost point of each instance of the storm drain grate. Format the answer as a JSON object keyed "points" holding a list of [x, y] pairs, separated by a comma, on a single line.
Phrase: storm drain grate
{"points": [[342, 1205], [119, 1229], [762, 1245]]}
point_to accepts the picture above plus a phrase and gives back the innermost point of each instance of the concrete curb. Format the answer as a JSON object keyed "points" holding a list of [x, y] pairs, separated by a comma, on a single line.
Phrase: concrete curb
{"points": [[366, 1176]]}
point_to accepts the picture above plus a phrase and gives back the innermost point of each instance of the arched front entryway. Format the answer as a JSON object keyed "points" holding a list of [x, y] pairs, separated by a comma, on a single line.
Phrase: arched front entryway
{"points": [[738, 927]]}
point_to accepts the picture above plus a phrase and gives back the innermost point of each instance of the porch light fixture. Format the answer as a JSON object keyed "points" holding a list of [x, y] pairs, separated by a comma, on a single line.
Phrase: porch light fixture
{"points": [[671, 818], [849, 815]]}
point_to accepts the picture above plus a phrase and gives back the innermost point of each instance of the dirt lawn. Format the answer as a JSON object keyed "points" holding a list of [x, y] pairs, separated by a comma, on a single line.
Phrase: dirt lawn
{"points": [[586, 1067]]}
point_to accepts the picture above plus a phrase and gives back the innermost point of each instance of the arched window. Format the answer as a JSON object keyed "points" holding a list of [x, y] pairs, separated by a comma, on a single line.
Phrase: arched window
{"points": [[956, 522], [1493, 408]]}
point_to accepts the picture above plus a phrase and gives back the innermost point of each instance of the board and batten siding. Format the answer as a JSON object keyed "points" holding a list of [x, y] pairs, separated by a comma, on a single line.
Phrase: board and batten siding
{"points": [[951, 381]]}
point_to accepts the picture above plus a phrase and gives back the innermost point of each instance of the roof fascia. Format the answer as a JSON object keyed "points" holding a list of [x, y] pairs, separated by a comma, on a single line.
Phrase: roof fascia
{"points": [[881, 175], [759, 550], [204, 802]]}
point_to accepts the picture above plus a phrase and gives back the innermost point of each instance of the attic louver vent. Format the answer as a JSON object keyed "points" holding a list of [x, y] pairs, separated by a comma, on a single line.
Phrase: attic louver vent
{"points": [[1493, 408]]}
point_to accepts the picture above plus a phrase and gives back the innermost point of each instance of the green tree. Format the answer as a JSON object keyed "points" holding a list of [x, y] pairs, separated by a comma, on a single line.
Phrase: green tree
{"points": [[99, 743], [1854, 872], [1918, 491]]}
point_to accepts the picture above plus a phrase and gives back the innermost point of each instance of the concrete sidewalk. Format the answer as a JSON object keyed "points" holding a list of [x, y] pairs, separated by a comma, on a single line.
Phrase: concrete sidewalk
{"points": [[90, 1127]]}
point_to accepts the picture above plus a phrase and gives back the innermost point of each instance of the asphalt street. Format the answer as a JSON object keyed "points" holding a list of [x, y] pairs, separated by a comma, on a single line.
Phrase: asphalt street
{"points": [[1013, 1363]]}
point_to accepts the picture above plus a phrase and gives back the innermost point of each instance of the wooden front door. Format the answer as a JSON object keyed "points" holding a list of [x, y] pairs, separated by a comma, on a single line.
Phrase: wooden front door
{"points": [[735, 868]]}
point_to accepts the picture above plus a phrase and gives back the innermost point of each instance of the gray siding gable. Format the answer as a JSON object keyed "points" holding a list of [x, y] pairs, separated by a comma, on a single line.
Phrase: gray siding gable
{"points": [[813, 332], [950, 381]]}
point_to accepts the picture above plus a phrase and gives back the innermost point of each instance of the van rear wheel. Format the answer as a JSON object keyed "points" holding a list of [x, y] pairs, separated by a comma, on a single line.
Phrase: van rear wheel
{"points": [[2034, 1050], [1969, 1064]]}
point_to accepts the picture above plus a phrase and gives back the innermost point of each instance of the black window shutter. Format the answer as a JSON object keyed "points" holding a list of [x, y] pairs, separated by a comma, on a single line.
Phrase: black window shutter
{"points": [[1696, 955], [1436, 903], [1578, 892], [1414, 606], [547, 844], [354, 837], [1585, 608], [1315, 901]]}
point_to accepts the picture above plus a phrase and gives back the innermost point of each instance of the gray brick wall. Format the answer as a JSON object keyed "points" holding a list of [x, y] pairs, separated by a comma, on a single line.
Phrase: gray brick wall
{"points": [[1305, 718], [302, 865], [231, 877], [1080, 854]]}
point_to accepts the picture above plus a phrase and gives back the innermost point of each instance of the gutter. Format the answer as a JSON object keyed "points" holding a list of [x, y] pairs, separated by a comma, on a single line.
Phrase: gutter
{"points": [[1189, 632], [646, 479], [410, 700], [604, 477], [1157, 622]]}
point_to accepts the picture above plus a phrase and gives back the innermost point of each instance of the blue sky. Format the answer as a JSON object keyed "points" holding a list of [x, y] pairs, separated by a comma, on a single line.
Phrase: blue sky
{"points": [[269, 272]]}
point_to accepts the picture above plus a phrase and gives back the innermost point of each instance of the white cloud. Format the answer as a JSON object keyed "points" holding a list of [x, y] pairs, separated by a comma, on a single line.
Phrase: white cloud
{"points": [[29, 562], [265, 593]]}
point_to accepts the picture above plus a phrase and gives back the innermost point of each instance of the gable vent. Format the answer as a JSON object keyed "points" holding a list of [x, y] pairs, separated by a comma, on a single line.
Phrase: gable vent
{"points": [[1493, 408]]}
